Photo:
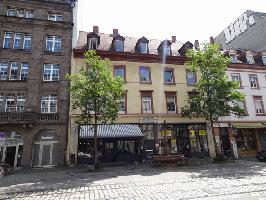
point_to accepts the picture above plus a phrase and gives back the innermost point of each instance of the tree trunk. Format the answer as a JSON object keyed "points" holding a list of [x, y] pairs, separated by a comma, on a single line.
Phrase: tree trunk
{"points": [[214, 140]]}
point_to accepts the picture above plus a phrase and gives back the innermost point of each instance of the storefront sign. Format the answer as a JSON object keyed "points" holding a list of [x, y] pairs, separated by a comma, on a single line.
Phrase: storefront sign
{"points": [[47, 137], [202, 132], [173, 142], [192, 132], [166, 132]]}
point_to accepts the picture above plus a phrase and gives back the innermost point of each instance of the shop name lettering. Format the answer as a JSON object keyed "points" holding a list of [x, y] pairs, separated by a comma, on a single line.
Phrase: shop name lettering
{"points": [[238, 27]]}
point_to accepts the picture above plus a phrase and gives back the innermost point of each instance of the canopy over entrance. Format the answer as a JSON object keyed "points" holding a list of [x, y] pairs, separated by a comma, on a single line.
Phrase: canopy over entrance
{"points": [[110, 131]]}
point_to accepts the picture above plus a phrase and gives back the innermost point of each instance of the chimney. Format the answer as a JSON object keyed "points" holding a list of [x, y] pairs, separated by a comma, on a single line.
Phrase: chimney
{"points": [[95, 29], [211, 40], [173, 39], [115, 31], [196, 45]]}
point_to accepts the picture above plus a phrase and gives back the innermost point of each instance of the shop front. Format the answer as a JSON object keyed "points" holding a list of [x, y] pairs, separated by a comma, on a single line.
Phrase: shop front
{"points": [[115, 143], [166, 139]]}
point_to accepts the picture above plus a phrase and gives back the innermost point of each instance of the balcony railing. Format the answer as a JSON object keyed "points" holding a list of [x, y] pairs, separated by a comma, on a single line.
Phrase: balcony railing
{"points": [[17, 117], [48, 116]]}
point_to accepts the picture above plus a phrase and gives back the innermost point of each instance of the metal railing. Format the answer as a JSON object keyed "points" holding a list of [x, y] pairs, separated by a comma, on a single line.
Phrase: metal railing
{"points": [[18, 116]]}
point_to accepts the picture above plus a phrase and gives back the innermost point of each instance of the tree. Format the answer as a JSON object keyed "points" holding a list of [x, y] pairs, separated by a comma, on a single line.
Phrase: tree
{"points": [[96, 93], [215, 96]]}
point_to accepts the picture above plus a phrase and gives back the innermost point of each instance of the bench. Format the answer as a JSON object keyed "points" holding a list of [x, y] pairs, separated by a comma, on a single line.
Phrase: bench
{"points": [[178, 159]]}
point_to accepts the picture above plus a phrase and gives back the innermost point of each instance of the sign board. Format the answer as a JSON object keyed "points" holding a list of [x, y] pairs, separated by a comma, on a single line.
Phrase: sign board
{"points": [[192, 132], [202, 132]]}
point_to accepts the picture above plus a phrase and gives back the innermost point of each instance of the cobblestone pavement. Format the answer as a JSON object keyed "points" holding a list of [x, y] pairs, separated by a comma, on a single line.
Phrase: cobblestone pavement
{"points": [[245, 180]]}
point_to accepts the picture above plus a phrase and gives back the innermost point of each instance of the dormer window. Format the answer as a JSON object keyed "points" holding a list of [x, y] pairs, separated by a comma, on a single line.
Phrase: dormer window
{"points": [[233, 58], [167, 50], [93, 43], [250, 59], [118, 45], [143, 47], [264, 60]]}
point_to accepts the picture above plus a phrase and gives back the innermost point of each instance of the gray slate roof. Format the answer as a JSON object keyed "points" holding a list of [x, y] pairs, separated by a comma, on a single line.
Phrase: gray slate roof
{"points": [[129, 44]]}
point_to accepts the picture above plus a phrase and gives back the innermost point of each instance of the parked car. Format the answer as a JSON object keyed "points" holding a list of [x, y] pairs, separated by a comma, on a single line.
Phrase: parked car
{"points": [[261, 155]]}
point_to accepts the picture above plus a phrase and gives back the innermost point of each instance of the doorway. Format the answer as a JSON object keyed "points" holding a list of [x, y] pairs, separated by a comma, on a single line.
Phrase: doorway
{"points": [[10, 155]]}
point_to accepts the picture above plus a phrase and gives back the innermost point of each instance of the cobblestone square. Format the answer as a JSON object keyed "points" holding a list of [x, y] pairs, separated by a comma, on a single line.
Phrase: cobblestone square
{"points": [[243, 180]]}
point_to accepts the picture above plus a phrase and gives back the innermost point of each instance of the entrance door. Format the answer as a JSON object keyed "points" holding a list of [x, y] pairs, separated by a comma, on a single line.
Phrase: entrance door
{"points": [[43, 154], [10, 155], [225, 143]]}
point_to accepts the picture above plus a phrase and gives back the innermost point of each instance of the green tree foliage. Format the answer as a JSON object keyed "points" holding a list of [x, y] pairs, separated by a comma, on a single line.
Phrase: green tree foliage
{"points": [[215, 95], [95, 92]]}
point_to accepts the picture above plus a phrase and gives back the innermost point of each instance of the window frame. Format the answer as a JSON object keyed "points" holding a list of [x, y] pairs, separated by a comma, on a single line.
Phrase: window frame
{"points": [[56, 15], [125, 100], [257, 81], [17, 70], [14, 10], [23, 68], [120, 67], [259, 98], [10, 97], [49, 99], [170, 94], [195, 78], [1, 70], [20, 100], [21, 41], [52, 70], [145, 94], [233, 58], [18, 13], [115, 45], [149, 70], [251, 57], [31, 14], [91, 45], [146, 45], [10, 36], [233, 74], [168, 69], [54, 41], [26, 38]]}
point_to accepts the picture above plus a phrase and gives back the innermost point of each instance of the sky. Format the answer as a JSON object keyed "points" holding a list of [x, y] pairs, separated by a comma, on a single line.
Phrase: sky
{"points": [[188, 20]]}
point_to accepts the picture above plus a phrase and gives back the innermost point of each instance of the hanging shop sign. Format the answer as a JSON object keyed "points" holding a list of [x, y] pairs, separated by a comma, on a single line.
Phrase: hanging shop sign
{"points": [[166, 132], [192, 132], [202, 132]]}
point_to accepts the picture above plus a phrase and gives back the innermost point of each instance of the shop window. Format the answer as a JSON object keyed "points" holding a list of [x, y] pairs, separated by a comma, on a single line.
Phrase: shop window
{"points": [[169, 76], [191, 78], [49, 104], [55, 17], [145, 74], [51, 72], [253, 81], [120, 71], [10, 103], [246, 140], [236, 77], [20, 103], [93, 43], [53, 43], [259, 105], [122, 105]]}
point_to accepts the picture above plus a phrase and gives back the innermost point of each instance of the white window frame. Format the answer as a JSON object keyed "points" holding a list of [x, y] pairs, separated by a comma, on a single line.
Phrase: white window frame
{"points": [[172, 72], [170, 99], [20, 37], [8, 35], [13, 11], [47, 104], [20, 106], [24, 66], [29, 14], [14, 66], [1, 101], [55, 17], [122, 100], [92, 42], [253, 79], [148, 100], [53, 68], [250, 59], [27, 37], [3, 68], [21, 14], [54, 40], [10, 98], [259, 110]]}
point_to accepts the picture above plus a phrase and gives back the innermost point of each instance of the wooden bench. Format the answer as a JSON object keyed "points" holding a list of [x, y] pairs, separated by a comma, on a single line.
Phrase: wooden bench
{"points": [[177, 159]]}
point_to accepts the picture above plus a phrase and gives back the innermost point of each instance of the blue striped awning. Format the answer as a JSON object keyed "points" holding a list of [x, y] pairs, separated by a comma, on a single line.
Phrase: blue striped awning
{"points": [[111, 131]]}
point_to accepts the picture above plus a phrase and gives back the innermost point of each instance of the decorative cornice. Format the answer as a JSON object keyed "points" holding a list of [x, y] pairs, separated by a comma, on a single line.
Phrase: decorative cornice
{"points": [[134, 57], [246, 66]]}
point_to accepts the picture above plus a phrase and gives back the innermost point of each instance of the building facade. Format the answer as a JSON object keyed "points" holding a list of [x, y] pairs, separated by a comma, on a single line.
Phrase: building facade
{"points": [[157, 85], [35, 55]]}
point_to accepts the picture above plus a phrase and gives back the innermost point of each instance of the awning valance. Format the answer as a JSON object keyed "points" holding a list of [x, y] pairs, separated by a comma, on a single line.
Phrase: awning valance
{"points": [[111, 131], [249, 125]]}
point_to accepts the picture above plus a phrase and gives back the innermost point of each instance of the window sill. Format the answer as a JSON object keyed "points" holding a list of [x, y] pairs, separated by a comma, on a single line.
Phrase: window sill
{"points": [[169, 83], [143, 82], [191, 84], [48, 81], [58, 53], [13, 80], [18, 50]]}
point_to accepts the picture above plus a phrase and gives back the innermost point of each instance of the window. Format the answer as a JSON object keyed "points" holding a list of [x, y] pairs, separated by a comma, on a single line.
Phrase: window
{"points": [[233, 58], [166, 49], [169, 76], [14, 72], [49, 104], [119, 45], [120, 71], [24, 71], [143, 47], [264, 60], [236, 77], [17, 41], [29, 14], [258, 105], [1, 101], [93, 43], [3, 70], [55, 17], [171, 102], [7, 40], [191, 78], [51, 72], [250, 59], [122, 105], [21, 13], [53, 43], [20, 103], [27, 42], [11, 13], [242, 105], [145, 75], [253, 81], [10, 103], [146, 104]]}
